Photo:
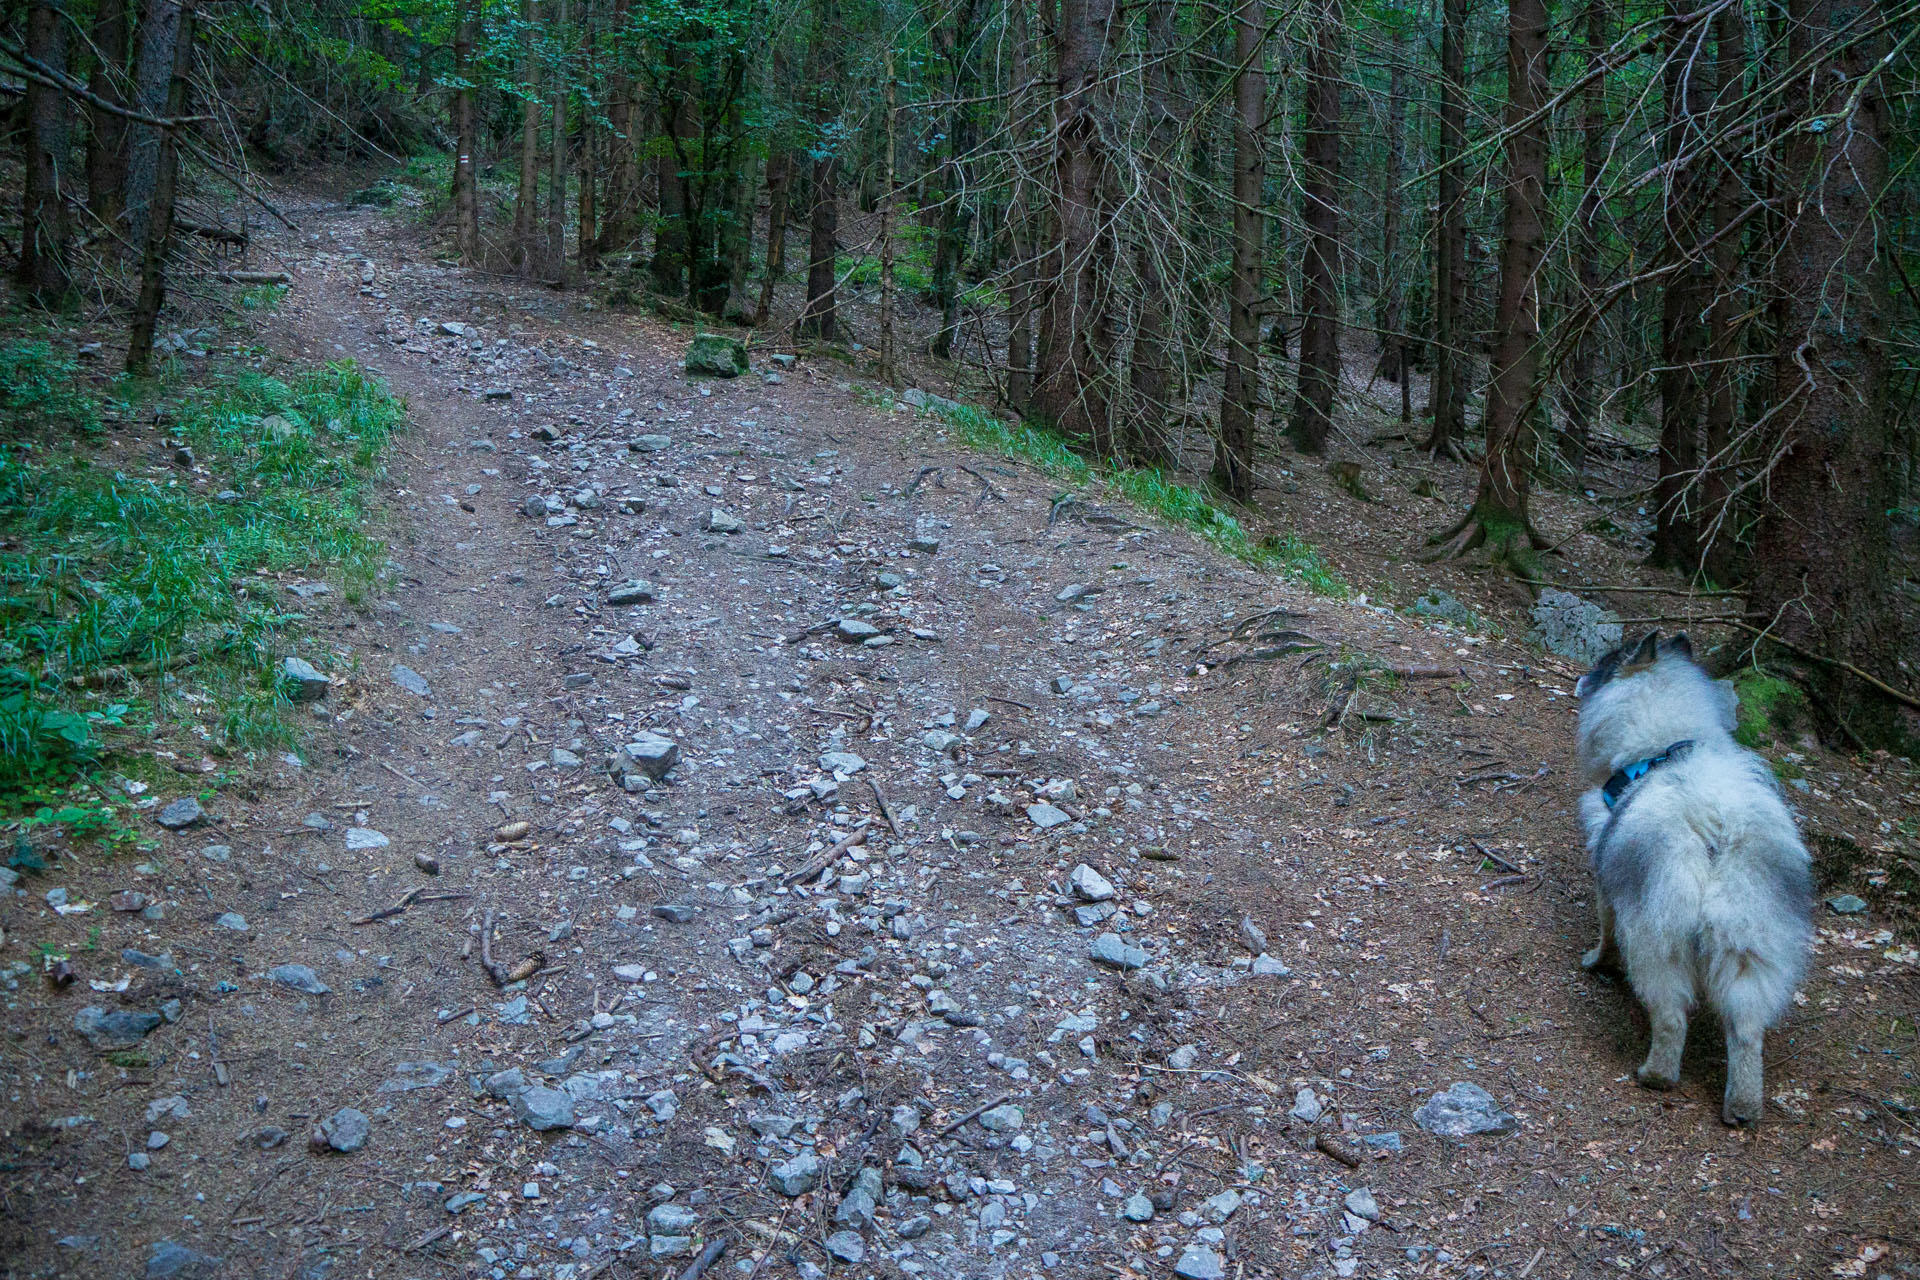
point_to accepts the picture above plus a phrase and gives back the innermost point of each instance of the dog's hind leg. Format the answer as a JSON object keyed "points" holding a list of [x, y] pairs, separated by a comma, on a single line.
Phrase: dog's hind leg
{"points": [[1748, 994], [1664, 983], [1604, 958]]}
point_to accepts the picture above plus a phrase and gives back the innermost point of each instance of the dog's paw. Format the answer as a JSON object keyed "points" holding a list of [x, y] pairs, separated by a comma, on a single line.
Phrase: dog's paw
{"points": [[1651, 1077], [1741, 1111], [1600, 961]]}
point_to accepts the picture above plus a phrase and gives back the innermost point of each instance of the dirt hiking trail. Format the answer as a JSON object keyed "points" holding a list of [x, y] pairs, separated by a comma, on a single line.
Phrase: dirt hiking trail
{"points": [[1028, 890]]}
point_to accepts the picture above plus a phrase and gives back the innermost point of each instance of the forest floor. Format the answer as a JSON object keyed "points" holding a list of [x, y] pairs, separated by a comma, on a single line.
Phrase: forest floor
{"points": [[911, 694]]}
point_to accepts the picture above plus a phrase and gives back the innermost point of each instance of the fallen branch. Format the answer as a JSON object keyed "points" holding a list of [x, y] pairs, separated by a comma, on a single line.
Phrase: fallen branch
{"points": [[1493, 857], [253, 277], [412, 896], [825, 858], [986, 487], [1904, 699], [974, 1114], [924, 473], [885, 811], [1012, 702], [708, 1256]]}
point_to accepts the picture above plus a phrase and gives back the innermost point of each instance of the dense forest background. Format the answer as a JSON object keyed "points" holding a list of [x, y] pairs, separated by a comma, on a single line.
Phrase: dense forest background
{"points": [[1173, 232]]}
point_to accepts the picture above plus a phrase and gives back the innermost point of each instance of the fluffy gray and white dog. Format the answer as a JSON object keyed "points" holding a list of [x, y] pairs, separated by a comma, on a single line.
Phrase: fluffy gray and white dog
{"points": [[1704, 886]]}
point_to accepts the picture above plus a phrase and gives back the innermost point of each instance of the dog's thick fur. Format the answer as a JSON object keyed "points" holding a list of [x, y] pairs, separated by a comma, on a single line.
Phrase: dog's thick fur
{"points": [[1704, 886]]}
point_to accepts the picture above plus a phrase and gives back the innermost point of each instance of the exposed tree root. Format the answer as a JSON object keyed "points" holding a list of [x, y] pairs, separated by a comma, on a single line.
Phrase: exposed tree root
{"points": [[1509, 541]]}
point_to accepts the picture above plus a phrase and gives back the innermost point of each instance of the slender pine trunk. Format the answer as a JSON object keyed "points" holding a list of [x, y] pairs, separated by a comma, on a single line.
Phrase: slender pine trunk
{"points": [[1233, 464]]}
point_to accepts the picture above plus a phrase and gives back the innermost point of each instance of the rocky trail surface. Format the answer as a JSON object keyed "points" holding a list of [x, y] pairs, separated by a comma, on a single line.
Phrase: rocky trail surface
{"points": [[754, 836]]}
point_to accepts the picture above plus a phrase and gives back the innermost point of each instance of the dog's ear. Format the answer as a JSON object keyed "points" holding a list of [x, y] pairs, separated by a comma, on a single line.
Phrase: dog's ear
{"points": [[1678, 647], [1644, 655]]}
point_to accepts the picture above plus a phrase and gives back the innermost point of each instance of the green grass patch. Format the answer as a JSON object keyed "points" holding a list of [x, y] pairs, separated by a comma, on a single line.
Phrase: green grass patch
{"points": [[1148, 488], [1770, 708], [137, 574]]}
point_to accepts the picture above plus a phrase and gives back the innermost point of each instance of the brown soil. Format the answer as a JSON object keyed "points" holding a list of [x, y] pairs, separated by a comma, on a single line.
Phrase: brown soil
{"points": [[1407, 847]]}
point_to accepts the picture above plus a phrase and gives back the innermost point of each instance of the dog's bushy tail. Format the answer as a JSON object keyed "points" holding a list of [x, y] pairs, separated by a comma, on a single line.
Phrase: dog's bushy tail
{"points": [[1754, 931]]}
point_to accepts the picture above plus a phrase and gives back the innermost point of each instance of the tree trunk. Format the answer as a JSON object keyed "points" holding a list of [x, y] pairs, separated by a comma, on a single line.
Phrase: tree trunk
{"points": [[1447, 393], [588, 237], [1683, 299], [466, 196], [1722, 389], [958, 35], [623, 176], [1074, 387], [888, 372], [1233, 463], [818, 314], [1822, 562], [1319, 367], [166, 173], [1150, 372], [671, 236], [1391, 316], [1583, 386], [526, 202], [557, 158], [779, 179], [42, 272], [107, 132], [1499, 514], [153, 71], [1020, 221]]}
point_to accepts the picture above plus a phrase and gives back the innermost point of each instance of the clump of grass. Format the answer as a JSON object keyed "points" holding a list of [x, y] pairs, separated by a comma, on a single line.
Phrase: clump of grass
{"points": [[128, 594], [1770, 707], [1149, 488]]}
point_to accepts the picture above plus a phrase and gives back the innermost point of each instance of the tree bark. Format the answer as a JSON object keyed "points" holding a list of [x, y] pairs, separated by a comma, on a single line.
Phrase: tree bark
{"points": [[1150, 371], [957, 33], [107, 132], [526, 202], [466, 196], [42, 272], [623, 175], [1583, 385], [888, 372], [1683, 299], [1822, 561], [1233, 463], [818, 315], [1499, 515], [160, 206], [1447, 394], [1020, 220], [1319, 366], [557, 158], [1391, 315], [1074, 389], [779, 180], [152, 75], [671, 233], [1722, 387]]}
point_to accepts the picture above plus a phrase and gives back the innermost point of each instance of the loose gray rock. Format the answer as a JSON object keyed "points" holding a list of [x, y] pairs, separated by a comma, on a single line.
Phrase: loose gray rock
{"points": [[1266, 966], [1846, 904], [1565, 624], [121, 1029], [1002, 1119], [1252, 936], [412, 681], [232, 920], [924, 546], [662, 1246], [797, 1176], [360, 839], [170, 1261], [300, 978], [1307, 1107], [857, 1206], [915, 1227], [1089, 884], [650, 444], [1217, 1209], [847, 1246], [719, 521], [650, 756], [540, 1108], [181, 814], [1137, 1208], [346, 1130], [1462, 1110], [1111, 949], [678, 912], [1197, 1262], [1046, 816], [672, 1220], [854, 631], [1361, 1204], [303, 681], [1183, 1058], [842, 762], [1444, 606], [632, 591]]}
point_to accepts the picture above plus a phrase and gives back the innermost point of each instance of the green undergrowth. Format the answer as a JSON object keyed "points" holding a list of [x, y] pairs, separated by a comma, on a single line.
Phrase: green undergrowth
{"points": [[145, 528], [1149, 488]]}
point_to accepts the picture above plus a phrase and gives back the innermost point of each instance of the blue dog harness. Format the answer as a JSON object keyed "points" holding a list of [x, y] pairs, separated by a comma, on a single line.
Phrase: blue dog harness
{"points": [[1627, 775]]}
